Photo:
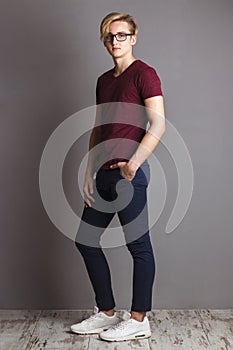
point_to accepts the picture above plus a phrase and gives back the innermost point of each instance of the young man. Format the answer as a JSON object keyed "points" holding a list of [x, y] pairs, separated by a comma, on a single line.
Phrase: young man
{"points": [[123, 94]]}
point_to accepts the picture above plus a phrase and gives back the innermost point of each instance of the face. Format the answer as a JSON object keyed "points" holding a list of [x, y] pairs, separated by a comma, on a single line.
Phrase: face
{"points": [[118, 49]]}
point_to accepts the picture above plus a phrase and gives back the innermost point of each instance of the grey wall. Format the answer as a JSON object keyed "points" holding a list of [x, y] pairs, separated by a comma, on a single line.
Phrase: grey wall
{"points": [[50, 59]]}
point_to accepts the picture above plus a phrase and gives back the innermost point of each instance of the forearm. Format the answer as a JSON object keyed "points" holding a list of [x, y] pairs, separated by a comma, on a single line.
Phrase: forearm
{"points": [[156, 116], [146, 146]]}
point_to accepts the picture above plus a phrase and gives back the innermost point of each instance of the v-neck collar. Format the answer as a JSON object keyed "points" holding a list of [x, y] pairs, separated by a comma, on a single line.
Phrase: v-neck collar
{"points": [[123, 71]]}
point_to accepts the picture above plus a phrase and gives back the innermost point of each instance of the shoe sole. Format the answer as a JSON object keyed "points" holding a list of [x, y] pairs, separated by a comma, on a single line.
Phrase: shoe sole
{"points": [[93, 331], [138, 335]]}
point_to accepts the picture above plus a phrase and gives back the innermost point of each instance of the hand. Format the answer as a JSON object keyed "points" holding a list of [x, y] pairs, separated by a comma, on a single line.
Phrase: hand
{"points": [[127, 169], [88, 189]]}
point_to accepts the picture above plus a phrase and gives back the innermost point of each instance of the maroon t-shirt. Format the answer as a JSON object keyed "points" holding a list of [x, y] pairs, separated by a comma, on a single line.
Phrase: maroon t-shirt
{"points": [[123, 117]]}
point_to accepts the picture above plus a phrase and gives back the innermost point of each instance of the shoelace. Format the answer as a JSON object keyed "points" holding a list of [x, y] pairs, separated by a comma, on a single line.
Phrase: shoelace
{"points": [[92, 318], [122, 324]]}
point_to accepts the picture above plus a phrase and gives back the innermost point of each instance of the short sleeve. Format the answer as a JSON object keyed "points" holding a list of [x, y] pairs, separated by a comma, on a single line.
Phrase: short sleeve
{"points": [[149, 83]]}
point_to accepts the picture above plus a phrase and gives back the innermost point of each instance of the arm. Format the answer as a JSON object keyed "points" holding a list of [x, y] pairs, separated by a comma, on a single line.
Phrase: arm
{"points": [[94, 140], [155, 112], [156, 116], [90, 169]]}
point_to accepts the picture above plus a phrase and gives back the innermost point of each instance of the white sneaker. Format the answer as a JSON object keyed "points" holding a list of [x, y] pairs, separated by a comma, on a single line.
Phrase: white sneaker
{"points": [[95, 323], [127, 329]]}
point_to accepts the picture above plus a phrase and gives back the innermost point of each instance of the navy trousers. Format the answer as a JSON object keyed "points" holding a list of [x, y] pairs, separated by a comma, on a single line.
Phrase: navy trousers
{"points": [[129, 200]]}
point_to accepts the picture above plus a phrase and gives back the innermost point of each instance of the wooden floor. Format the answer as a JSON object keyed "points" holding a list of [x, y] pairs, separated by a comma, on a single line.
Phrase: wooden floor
{"points": [[171, 329]]}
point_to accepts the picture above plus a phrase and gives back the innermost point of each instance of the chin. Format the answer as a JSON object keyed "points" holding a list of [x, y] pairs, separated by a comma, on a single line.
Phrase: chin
{"points": [[116, 54]]}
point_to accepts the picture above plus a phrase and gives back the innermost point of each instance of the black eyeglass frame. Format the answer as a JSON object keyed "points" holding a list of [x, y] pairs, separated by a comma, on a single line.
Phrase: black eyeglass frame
{"points": [[115, 36]]}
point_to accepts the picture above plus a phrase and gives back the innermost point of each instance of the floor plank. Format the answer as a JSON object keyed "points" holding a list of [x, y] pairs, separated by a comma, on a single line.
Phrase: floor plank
{"points": [[171, 329], [53, 331], [218, 327], [98, 344], [16, 328]]}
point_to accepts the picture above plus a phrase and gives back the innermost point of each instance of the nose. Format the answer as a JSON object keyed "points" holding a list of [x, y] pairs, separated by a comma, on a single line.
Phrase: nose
{"points": [[114, 40]]}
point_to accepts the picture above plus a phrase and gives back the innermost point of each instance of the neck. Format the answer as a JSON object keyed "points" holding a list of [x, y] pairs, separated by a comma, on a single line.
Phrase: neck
{"points": [[122, 63]]}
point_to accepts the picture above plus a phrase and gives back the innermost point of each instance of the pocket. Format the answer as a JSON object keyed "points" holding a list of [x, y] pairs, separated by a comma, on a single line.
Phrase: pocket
{"points": [[124, 178], [142, 176], [137, 177]]}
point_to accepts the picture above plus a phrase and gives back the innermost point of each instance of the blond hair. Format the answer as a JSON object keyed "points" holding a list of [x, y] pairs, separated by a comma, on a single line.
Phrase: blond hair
{"points": [[117, 16]]}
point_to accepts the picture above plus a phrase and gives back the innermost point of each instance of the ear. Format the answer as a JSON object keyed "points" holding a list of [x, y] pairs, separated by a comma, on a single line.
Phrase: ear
{"points": [[133, 39]]}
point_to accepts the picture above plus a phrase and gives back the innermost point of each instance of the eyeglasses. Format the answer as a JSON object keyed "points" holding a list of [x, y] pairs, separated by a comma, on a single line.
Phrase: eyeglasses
{"points": [[119, 37]]}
